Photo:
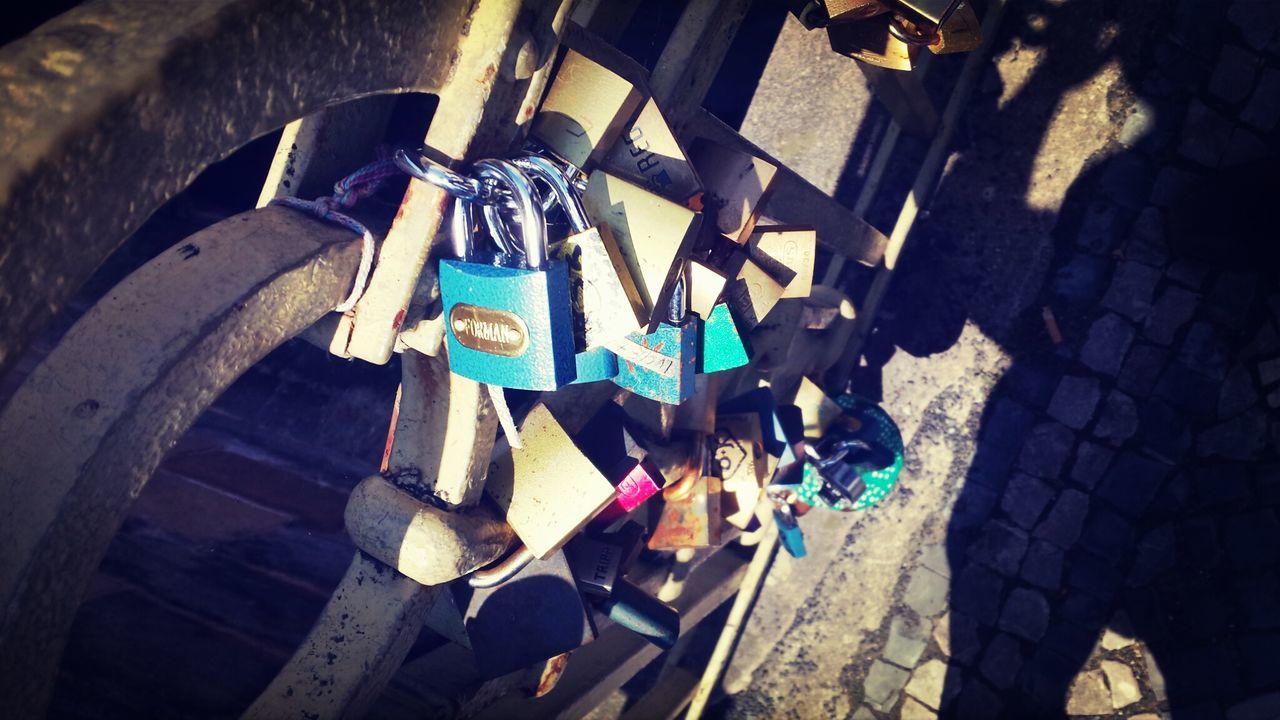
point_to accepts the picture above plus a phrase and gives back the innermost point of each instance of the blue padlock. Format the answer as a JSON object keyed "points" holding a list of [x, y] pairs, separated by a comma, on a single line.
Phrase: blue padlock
{"points": [[508, 318], [596, 364], [661, 365], [781, 497]]}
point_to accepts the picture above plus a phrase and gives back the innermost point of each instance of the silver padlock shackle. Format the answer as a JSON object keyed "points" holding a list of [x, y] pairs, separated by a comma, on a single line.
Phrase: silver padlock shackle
{"points": [[533, 223], [678, 308], [442, 177], [552, 174], [502, 570], [460, 228]]}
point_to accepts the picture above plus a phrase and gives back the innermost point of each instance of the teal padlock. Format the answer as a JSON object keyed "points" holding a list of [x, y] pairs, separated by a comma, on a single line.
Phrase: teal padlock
{"points": [[507, 317], [596, 364], [661, 365], [721, 344]]}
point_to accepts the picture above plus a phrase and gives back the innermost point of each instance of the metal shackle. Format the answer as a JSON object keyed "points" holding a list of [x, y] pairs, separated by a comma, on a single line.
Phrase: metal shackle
{"points": [[678, 308], [461, 228], [837, 452], [554, 176], [502, 570], [442, 177], [533, 223]]}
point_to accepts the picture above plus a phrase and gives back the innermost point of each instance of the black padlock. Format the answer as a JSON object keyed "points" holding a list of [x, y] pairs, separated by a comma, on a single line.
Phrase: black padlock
{"points": [[836, 461], [598, 566]]}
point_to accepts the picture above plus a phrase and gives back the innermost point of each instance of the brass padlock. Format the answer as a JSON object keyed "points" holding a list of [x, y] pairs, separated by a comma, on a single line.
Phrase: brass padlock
{"points": [[737, 185], [599, 279], [839, 11], [872, 42], [739, 458], [690, 515], [653, 234], [754, 291], [548, 489], [792, 247], [705, 287], [606, 441], [585, 110], [649, 154]]}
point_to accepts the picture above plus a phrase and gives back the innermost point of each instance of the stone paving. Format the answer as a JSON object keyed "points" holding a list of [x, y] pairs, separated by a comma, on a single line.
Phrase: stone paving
{"points": [[1090, 528]]}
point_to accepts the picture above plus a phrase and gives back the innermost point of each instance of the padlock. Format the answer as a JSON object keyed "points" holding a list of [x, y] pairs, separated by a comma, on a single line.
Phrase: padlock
{"points": [[599, 565], [532, 614], [840, 11], [791, 246], [585, 109], [789, 533], [872, 42], [509, 321], [722, 345], [928, 13], [739, 458], [603, 291], [548, 489], [661, 365], [753, 293], [706, 285], [737, 185], [648, 153], [606, 441], [653, 234], [690, 515], [595, 365], [835, 463]]}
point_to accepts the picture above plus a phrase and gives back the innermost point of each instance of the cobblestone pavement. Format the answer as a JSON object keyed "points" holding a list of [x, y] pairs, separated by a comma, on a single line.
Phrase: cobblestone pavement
{"points": [[1088, 528]]}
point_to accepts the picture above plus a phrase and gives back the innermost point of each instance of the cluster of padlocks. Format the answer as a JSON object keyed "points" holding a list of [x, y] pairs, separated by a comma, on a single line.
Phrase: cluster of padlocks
{"points": [[602, 252]]}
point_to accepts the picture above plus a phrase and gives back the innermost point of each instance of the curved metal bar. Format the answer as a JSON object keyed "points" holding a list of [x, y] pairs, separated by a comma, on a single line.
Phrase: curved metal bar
{"points": [[533, 224], [86, 430], [503, 570], [457, 185], [155, 93]]}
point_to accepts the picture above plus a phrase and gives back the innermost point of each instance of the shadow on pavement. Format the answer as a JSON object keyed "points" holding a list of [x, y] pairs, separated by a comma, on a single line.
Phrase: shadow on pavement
{"points": [[1127, 477]]}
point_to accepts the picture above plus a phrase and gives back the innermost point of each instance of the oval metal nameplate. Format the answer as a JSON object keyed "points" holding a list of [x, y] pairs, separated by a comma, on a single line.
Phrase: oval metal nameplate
{"points": [[487, 330]]}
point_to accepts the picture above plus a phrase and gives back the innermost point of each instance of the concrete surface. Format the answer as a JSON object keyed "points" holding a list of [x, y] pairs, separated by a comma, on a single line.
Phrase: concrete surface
{"points": [[1082, 529]]}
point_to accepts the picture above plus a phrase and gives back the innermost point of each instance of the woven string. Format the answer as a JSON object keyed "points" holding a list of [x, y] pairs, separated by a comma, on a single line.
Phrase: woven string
{"points": [[346, 193]]}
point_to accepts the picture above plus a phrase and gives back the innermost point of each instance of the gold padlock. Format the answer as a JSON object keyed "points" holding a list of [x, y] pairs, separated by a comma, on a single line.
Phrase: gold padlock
{"points": [[872, 42], [793, 247], [740, 460], [653, 234], [737, 185], [839, 11], [705, 286], [606, 301], [754, 291], [585, 110], [649, 154], [690, 515], [548, 489]]}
